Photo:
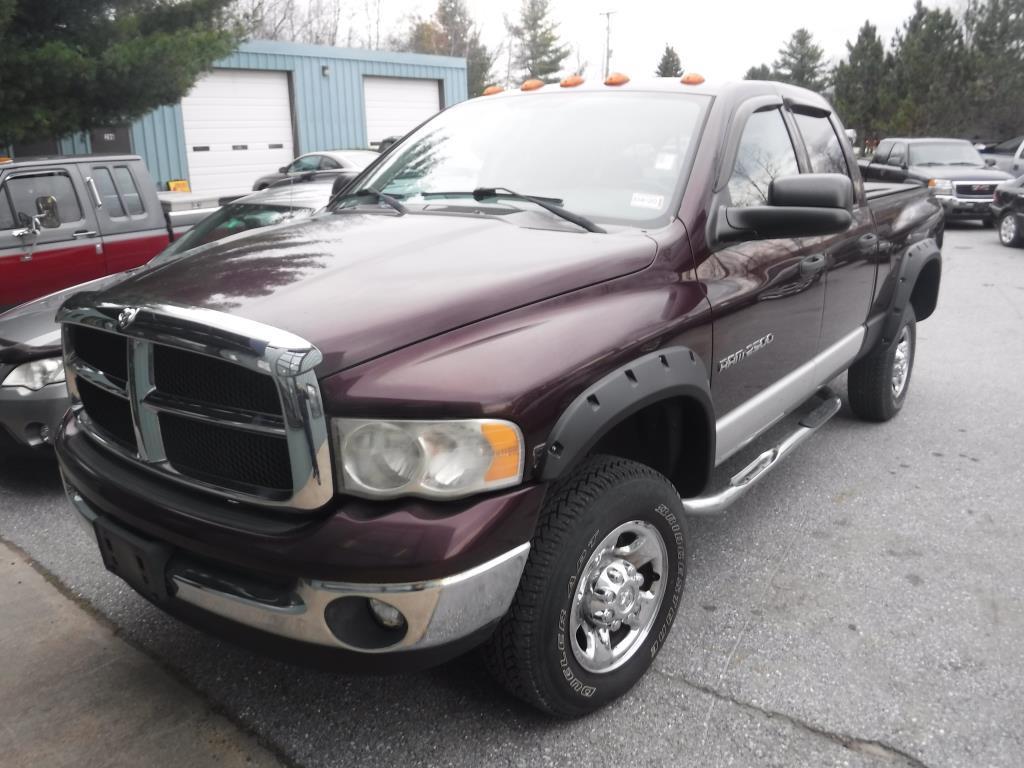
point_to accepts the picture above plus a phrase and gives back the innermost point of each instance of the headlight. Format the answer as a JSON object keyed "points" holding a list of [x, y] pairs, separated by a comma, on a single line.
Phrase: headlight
{"points": [[940, 186], [37, 374], [435, 459]]}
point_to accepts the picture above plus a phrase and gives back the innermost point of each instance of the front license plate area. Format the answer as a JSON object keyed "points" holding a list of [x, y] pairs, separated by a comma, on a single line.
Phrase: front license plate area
{"points": [[140, 562]]}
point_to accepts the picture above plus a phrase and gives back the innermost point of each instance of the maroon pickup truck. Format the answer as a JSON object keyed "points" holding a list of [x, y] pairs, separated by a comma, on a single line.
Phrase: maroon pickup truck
{"points": [[474, 400]]}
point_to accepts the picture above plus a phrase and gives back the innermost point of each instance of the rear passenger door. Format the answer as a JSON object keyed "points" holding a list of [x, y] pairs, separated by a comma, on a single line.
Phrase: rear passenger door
{"points": [[58, 256], [131, 233], [850, 255]]}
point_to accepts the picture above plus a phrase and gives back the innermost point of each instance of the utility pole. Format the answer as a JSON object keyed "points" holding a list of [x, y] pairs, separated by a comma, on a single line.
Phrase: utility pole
{"points": [[607, 40]]}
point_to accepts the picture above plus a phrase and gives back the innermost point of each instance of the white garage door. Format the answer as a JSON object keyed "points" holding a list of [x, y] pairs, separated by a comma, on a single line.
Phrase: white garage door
{"points": [[238, 127], [394, 105]]}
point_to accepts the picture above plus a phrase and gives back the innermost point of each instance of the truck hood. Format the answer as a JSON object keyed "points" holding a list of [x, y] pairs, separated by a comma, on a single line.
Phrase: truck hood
{"points": [[358, 285], [958, 173]]}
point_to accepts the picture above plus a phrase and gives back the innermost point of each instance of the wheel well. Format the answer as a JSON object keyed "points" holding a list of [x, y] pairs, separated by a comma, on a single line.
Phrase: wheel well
{"points": [[670, 436], [925, 295]]}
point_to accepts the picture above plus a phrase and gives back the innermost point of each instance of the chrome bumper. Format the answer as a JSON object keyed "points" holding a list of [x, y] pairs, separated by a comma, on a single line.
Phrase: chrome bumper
{"points": [[436, 611]]}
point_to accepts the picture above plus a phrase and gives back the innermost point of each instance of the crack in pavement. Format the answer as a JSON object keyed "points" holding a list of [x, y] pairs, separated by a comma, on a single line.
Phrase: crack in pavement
{"points": [[870, 747]]}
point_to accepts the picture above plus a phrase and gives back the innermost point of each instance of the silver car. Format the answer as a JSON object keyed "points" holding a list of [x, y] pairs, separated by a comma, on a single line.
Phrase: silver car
{"points": [[33, 396]]}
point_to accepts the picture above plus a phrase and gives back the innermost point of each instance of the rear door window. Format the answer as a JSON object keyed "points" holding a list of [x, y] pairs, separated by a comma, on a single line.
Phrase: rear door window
{"points": [[765, 153], [328, 164], [27, 191], [108, 193], [7, 220], [128, 190], [823, 146]]}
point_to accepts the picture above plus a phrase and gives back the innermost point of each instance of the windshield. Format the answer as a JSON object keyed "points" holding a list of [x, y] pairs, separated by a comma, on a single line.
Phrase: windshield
{"points": [[230, 220], [944, 153], [611, 157]]}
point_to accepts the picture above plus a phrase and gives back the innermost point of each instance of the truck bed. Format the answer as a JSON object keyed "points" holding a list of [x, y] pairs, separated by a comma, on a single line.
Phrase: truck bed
{"points": [[876, 190]]}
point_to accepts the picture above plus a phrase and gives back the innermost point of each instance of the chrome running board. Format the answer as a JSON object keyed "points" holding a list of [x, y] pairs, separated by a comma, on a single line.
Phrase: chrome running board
{"points": [[744, 480]]}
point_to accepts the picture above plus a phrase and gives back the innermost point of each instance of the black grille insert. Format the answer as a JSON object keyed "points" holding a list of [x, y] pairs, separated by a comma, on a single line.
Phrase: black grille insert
{"points": [[224, 455], [104, 351], [204, 379], [975, 190], [110, 413]]}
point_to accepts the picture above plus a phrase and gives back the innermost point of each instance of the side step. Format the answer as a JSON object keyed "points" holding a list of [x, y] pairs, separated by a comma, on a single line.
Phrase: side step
{"points": [[744, 480]]}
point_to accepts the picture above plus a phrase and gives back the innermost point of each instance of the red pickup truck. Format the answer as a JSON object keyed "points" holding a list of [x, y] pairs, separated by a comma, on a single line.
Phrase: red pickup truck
{"points": [[67, 220]]}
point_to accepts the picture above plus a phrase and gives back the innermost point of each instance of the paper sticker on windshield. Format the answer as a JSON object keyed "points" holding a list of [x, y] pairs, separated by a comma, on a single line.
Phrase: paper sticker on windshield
{"points": [[644, 200], [665, 161]]}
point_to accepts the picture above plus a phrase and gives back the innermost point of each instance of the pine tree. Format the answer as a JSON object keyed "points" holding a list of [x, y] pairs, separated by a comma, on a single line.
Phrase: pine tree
{"points": [[539, 53], [760, 72], [67, 67], [669, 66], [801, 62], [928, 90], [859, 81], [995, 34]]}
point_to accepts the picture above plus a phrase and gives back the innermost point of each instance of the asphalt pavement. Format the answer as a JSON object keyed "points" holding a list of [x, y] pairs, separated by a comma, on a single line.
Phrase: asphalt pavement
{"points": [[863, 606]]}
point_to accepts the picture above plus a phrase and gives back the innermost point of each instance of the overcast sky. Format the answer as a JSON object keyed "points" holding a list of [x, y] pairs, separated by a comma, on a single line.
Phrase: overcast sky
{"points": [[721, 39]]}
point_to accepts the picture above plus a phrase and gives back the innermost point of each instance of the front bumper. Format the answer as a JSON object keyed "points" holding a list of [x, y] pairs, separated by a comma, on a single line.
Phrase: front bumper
{"points": [[965, 207], [436, 612], [31, 417]]}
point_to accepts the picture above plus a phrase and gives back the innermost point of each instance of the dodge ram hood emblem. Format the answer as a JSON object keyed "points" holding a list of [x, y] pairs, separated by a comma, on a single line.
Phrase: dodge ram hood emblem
{"points": [[126, 316]]}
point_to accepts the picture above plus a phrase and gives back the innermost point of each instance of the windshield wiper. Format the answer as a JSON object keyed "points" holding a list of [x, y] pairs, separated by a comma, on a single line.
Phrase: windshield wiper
{"points": [[380, 197], [503, 193]]}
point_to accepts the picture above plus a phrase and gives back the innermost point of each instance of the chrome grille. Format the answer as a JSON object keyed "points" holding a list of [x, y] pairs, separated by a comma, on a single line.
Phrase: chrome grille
{"points": [[978, 189], [202, 397]]}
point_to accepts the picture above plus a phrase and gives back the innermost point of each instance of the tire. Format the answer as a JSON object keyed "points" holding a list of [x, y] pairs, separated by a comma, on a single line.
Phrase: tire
{"points": [[545, 650], [875, 392], [1010, 233]]}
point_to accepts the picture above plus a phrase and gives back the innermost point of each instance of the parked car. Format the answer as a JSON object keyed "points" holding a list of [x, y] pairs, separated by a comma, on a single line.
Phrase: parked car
{"points": [[1008, 155], [1008, 211], [68, 220], [952, 169], [33, 395], [320, 165], [474, 400]]}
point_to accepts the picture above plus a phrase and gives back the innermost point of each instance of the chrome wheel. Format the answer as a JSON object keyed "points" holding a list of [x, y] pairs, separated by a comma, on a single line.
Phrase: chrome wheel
{"points": [[618, 596], [901, 363], [1008, 230]]}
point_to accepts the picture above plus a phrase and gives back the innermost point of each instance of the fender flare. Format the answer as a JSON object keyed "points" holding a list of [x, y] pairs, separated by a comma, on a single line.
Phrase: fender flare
{"points": [[666, 373], [913, 263]]}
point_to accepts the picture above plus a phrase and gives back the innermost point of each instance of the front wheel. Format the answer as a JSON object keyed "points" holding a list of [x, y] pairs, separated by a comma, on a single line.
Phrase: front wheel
{"points": [[878, 383], [600, 590], [1009, 231]]}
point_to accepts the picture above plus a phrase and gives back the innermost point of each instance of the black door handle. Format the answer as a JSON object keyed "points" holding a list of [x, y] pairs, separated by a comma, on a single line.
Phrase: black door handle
{"points": [[812, 265]]}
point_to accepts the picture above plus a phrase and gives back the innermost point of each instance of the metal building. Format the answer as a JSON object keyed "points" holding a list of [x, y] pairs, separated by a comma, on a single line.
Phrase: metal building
{"points": [[271, 101]]}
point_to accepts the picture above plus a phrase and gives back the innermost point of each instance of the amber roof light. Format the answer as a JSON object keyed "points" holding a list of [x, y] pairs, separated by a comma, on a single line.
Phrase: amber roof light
{"points": [[492, 89], [572, 81], [532, 85], [691, 78], [616, 78]]}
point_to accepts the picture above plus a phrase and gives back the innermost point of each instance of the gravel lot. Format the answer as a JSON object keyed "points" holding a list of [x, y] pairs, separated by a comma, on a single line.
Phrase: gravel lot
{"points": [[863, 606]]}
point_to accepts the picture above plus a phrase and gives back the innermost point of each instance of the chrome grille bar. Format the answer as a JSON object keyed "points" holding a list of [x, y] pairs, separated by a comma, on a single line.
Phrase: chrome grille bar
{"points": [[287, 359]]}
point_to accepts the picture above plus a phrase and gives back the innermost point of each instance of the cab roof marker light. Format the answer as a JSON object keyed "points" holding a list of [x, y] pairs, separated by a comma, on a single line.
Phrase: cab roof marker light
{"points": [[532, 85], [616, 78], [572, 81], [691, 78], [491, 90]]}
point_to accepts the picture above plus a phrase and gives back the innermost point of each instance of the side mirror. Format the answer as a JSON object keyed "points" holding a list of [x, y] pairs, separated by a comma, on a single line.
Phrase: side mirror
{"points": [[46, 207], [283, 169], [31, 226], [990, 161], [804, 205]]}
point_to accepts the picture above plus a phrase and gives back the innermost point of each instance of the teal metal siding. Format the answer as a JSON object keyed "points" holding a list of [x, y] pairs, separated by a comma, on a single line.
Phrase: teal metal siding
{"points": [[327, 110]]}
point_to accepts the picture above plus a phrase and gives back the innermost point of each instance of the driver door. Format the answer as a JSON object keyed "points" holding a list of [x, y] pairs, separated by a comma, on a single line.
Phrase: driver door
{"points": [[66, 251]]}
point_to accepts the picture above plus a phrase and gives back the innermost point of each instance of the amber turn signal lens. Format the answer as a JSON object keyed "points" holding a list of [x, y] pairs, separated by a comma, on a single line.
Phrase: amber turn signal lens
{"points": [[508, 452], [691, 78], [492, 89], [616, 78], [572, 81]]}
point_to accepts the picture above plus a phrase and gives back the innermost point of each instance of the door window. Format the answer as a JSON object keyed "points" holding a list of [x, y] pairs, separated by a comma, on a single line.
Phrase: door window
{"points": [[108, 194], [128, 191], [7, 220], [302, 164], [26, 192], [328, 164], [898, 156], [765, 153], [823, 145]]}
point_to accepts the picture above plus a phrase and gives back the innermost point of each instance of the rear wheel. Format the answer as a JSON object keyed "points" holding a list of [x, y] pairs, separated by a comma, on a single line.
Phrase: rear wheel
{"points": [[600, 590], [1009, 231], [878, 383]]}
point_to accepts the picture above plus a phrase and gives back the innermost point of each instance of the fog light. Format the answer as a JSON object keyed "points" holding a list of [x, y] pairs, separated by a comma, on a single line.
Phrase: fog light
{"points": [[44, 433], [388, 616]]}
